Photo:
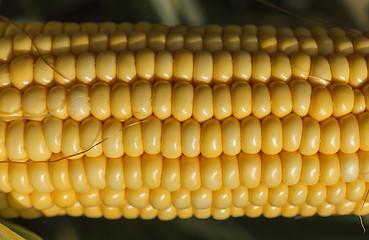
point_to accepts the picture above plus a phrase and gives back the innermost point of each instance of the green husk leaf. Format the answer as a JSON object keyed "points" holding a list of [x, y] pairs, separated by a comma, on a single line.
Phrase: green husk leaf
{"points": [[12, 231]]}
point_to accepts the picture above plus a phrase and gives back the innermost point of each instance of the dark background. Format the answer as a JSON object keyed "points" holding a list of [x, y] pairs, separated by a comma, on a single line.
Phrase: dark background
{"points": [[341, 13]]}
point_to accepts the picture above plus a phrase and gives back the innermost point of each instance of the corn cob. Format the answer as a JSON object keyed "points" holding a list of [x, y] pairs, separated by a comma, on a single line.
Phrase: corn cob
{"points": [[122, 120]]}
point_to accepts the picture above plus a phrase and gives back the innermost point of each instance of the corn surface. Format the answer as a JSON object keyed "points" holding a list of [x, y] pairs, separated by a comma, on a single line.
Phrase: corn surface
{"points": [[145, 120]]}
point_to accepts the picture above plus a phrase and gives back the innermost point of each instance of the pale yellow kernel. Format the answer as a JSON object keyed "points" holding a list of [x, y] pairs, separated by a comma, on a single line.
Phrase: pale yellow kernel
{"points": [[95, 168], [161, 99], [259, 195], [78, 102], [160, 198], [64, 199], [230, 171], [292, 132], [15, 145], [182, 101], [281, 67], [250, 169], [71, 139], [211, 139], [164, 65], [5, 185], [148, 212], [19, 178], [202, 198], [336, 193], [100, 101], [222, 102], [253, 211], [171, 178], [271, 135], [231, 134], [35, 142], [321, 106], [316, 195], [310, 169], [89, 198], [52, 129], [203, 67], [21, 71], [310, 140], [43, 74], [141, 99], [115, 174], [211, 173], [132, 137], [343, 99], [60, 44], [191, 132], [183, 65], [120, 101], [156, 40], [261, 102], [281, 98], [19, 201], [152, 135], [241, 99], [363, 120], [271, 170], [90, 136], [330, 137], [203, 108], [77, 176], [126, 67], [261, 67], [132, 172], [349, 166], [329, 169], [190, 173], [171, 146], [350, 134], [41, 201], [300, 62], [57, 102], [39, 177], [145, 64], [223, 67], [79, 42], [59, 173], [240, 197], [291, 167], [181, 199], [152, 167], [251, 135], [297, 194], [106, 66]]}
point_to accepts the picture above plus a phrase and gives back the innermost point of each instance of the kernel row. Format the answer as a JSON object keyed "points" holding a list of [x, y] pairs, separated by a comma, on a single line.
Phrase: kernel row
{"points": [[52, 39], [202, 67], [202, 198], [22, 140], [183, 101], [148, 212], [26, 206], [337, 175], [54, 27]]}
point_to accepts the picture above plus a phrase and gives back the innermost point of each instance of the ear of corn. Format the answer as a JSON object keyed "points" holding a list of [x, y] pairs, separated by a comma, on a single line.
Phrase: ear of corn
{"points": [[142, 120]]}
